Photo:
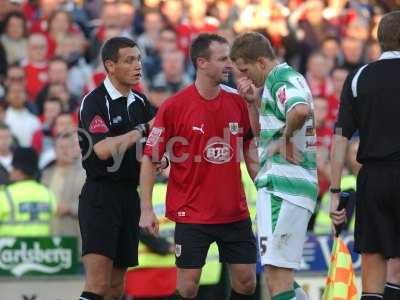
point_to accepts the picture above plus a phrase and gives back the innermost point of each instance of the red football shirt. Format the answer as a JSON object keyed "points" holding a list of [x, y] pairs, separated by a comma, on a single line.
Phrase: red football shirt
{"points": [[204, 140]]}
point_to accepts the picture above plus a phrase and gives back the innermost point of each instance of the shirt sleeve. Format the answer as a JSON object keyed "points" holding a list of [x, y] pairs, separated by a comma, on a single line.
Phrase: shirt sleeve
{"points": [[346, 123], [159, 135], [92, 121], [287, 96]]}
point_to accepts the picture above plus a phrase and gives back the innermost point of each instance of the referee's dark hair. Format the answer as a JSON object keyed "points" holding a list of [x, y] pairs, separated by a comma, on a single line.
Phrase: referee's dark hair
{"points": [[201, 46], [111, 48], [389, 31]]}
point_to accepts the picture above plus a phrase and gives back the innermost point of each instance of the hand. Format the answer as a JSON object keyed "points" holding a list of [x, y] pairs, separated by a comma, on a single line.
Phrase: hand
{"points": [[288, 151], [337, 217], [63, 209], [162, 165], [148, 221], [247, 90]]}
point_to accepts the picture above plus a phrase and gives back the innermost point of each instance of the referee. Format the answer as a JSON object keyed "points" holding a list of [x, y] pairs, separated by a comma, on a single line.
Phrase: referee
{"points": [[112, 118], [370, 103]]}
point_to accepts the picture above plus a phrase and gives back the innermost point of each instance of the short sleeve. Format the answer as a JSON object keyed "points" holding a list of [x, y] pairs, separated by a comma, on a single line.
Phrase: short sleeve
{"points": [[287, 96], [159, 134], [92, 121], [346, 123]]}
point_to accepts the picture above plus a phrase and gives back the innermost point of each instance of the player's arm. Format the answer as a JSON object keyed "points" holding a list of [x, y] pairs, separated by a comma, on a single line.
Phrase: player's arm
{"points": [[251, 159], [152, 155], [251, 94], [344, 130], [148, 219]]}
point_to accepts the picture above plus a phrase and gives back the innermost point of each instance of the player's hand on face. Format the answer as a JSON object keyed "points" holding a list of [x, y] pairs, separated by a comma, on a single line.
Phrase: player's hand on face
{"points": [[247, 89], [148, 221], [337, 217]]}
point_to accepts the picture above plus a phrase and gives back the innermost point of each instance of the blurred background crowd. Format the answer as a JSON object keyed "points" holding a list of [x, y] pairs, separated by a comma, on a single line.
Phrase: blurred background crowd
{"points": [[49, 59]]}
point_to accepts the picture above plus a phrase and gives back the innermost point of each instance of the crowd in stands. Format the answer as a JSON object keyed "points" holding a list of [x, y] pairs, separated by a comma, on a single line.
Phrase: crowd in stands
{"points": [[49, 59]]}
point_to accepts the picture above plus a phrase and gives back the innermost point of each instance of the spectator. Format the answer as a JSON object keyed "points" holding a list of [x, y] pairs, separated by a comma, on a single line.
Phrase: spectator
{"points": [[60, 24], [34, 203], [22, 123], [358, 29], [323, 131], [65, 178], [172, 11], [5, 154], [173, 75], [15, 74], [110, 20], [330, 48], [71, 50], [14, 38], [126, 11], [372, 51], [36, 64], [318, 69], [353, 51], [69, 103], [166, 42], [339, 75], [157, 95], [153, 24], [57, 75], [42, 139]]}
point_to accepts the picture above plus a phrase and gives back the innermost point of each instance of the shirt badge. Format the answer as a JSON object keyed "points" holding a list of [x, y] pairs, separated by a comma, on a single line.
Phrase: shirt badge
{"points": [[234, 128], [97, 125]]}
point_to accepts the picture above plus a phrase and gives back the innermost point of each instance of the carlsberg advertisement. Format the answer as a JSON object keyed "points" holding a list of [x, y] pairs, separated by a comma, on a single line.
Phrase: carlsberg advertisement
{"points": [[38, 256]]}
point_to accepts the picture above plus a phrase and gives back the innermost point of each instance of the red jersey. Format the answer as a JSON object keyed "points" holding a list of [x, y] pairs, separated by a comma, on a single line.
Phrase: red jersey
{"points": [[204, 139]]}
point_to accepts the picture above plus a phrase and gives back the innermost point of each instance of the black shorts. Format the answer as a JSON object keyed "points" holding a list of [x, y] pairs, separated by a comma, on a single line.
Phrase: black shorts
{"points": [[236, 243], [109, 214], [377, 227]]}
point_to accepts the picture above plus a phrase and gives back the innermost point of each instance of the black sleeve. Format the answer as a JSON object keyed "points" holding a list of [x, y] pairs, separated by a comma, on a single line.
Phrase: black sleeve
{"points": [[346, 123], [158, 245], [93, 122], [150, 110]]}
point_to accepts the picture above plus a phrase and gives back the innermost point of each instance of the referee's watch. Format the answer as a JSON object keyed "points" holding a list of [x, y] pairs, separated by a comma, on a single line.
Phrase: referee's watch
{"points": [[335, 190], [142, 128]]}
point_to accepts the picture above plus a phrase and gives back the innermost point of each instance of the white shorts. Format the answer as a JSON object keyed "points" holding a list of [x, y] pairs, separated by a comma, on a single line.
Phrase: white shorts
{"points": [[281, 230]]}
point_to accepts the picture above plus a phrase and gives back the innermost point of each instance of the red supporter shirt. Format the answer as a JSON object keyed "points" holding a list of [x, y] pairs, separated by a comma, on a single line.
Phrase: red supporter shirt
{"points": [[36, 78], [204, 188]]}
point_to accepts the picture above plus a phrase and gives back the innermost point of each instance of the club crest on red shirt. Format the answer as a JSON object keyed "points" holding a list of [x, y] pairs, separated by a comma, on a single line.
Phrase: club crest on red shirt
{"points": [[98, 125]]}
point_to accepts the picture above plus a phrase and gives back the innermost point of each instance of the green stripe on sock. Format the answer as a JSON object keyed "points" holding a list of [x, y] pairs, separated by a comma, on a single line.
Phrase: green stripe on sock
{"points": [[288, 295]]}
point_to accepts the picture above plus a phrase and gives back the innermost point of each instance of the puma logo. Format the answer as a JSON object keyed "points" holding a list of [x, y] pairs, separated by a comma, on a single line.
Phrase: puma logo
{"points": [[199, 128]]}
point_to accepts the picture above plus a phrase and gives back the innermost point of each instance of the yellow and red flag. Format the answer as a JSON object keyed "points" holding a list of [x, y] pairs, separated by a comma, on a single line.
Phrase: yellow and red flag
{"points": [[340, 283]]}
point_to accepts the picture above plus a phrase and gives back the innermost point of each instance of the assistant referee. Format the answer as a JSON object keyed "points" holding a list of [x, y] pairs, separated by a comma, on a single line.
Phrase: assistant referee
{"points": [[112, 118], [370, 103]]}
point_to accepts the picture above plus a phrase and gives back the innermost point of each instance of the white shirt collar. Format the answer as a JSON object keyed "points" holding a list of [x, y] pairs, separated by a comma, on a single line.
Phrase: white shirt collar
{"points": [[114, 93], [390, 55]]}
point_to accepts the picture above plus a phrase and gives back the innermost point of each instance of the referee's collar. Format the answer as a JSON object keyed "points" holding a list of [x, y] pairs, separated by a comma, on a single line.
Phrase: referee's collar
{"points": [[114, 93], [390, 55]]}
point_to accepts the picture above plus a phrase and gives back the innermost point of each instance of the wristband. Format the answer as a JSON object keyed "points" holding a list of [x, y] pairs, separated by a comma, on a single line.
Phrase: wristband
{"points": [[335, 190]]}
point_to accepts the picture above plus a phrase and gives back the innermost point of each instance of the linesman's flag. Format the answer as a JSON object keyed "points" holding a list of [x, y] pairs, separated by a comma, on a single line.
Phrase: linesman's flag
{"points": [[340, 283]]}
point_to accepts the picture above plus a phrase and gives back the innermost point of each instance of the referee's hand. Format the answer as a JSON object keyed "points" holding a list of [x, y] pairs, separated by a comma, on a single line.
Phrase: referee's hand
{"points": [[148, 221], [337, 216]]}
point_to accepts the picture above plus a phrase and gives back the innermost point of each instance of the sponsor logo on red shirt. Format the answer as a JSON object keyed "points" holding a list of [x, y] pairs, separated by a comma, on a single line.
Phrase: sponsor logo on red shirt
{"points": [[218, 153], [98, 125]]}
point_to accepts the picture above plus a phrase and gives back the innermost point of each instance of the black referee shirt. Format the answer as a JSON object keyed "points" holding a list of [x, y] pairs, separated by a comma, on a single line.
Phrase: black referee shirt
{"points": [[370, 103], [106, 113]]}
